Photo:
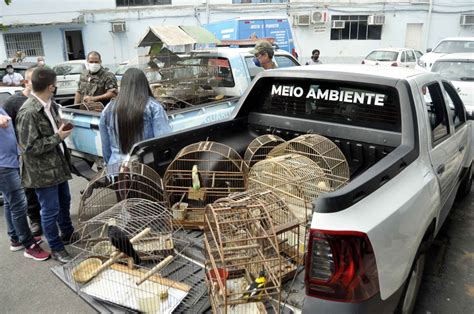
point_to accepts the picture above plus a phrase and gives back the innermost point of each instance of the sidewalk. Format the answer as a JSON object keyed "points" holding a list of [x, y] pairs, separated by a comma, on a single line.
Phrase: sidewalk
{"points": [[28, 286]]}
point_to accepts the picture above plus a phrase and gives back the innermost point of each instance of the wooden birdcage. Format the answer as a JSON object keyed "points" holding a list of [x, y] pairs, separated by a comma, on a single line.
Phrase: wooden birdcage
{"points": [[218, 171], [322, 151], [117, 182], [241, 249], [127, 255], [259, 148]]}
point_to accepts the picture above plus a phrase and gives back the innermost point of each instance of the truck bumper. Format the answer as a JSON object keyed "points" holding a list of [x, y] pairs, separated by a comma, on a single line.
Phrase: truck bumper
{"points": [[373, 305]]}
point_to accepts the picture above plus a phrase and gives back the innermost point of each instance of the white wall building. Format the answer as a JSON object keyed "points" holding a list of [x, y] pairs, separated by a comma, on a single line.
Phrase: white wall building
{"points": [[68, 29]]}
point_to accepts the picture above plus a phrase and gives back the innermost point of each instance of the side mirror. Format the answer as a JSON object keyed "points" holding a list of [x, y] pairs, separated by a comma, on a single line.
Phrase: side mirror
{"points": [[428, 50]]}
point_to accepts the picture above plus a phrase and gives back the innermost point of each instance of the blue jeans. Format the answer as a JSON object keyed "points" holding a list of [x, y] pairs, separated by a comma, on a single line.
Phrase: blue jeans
{"points": [[15, 206], [55, 202]]}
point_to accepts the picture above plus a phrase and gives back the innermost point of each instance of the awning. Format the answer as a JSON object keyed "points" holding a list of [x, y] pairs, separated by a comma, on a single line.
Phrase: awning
{"points": [[169, 35], [200, 34]]}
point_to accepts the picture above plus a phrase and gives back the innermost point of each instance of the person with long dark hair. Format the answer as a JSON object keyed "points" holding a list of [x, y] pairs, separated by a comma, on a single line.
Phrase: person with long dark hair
{"points": [[134, 115]]}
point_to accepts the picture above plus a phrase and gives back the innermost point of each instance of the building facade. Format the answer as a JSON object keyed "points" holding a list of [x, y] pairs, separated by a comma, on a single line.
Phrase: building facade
{"points": [[344, 30]]}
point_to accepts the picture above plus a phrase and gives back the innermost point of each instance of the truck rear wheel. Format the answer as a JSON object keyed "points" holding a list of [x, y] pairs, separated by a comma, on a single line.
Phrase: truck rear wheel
{"points": [[412, 285], [466, 184]]}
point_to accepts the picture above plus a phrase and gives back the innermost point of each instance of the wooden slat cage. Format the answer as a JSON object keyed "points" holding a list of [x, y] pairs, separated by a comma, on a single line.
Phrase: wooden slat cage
{"points": [[219, 171], [240, 246], [322, 151], [117, 182], [259, 148]]}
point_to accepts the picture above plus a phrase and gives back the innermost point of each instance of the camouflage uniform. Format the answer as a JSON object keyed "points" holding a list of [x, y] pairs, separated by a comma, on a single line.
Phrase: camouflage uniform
{"points": [[97, 84], [44, 164]]}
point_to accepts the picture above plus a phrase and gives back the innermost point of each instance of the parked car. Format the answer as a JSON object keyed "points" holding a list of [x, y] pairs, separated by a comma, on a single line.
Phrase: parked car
{"points": [[409, 156], [459, 68], [153, 75], [395, 57], [68, 74], [19, 68], [7, 91], [445, 46]]}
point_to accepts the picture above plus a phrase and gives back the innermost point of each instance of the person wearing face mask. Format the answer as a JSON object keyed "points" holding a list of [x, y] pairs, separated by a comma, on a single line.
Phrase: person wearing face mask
{"points": [[263, 52], [40, 63], [12, 106], [46, 161], [314, 58], [96, 84], [12, 78]]}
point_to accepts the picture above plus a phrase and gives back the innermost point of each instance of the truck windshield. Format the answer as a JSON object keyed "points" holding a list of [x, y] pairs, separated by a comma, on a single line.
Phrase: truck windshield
{"points": [[455, 70], [452, 46], [69, 69], [330, 101]]}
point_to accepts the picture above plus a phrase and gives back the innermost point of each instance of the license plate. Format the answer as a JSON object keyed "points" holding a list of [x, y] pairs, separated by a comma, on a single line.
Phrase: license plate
{"points": [[66, 84]]}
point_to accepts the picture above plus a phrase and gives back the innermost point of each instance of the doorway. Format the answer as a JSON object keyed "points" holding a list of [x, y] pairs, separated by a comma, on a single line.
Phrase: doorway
{"points": [[74, 45], [413, 36]]}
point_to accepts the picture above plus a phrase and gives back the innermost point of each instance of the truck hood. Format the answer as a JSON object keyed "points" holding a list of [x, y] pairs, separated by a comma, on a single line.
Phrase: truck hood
{"points": [[430, 58], [466, 92]]}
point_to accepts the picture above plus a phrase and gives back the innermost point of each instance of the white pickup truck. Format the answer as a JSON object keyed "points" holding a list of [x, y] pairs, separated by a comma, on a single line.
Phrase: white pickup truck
{"points": [[409, 156], [233, 68]]}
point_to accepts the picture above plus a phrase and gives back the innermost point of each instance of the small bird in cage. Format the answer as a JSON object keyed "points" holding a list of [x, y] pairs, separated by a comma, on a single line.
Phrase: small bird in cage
{"points": [[196, 178], [121, 241], [255, 289]]}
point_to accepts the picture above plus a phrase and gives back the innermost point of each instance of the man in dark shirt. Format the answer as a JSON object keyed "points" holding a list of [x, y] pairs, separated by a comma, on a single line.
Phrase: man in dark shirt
{"points": [[96, 84], [12, 106]]}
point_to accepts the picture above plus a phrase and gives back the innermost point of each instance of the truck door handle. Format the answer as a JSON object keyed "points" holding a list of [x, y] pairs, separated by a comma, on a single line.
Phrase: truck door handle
{"points": [[461, 148], [440, 169]]}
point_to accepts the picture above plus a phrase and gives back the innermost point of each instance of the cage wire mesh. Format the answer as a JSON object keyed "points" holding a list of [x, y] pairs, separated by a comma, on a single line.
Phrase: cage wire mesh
{"points": [[296, 178], [242, 258], [322, 151], [200, 174], [259, 148], [117, 182], [148, 277]]}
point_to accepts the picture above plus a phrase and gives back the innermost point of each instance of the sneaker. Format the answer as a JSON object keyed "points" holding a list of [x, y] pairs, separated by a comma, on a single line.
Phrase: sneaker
{"points": [[61, 256], [36, 252], [17, 246], [35, 227]]}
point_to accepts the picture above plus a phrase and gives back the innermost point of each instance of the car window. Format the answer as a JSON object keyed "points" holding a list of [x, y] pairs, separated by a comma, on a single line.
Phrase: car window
{"points": [[253, 69], [437, 114], [284, 61], [69, 69], [383, 56], [419, 54], [403, 58], [455, 104], [452, 46], [455, 70], [411, 56]]}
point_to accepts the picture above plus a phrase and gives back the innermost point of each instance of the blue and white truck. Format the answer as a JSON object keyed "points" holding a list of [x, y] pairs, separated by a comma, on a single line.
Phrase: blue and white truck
{"points": [[250, 28]]}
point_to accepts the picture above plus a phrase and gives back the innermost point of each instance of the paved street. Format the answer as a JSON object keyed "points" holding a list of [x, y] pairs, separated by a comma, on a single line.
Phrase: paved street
{"points": [[448, 287]]}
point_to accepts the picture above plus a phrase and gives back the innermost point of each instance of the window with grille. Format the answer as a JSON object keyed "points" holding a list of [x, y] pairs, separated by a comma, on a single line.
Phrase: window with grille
{"points": [[30, 43], [356, 28], [131, 3]]}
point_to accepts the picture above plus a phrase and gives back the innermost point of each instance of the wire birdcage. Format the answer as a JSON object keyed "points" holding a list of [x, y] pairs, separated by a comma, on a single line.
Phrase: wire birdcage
{"points": [[124, 256], [242, 257], [117, 182], [322, 151], [92, 106], [259, 148], [218, 171]]}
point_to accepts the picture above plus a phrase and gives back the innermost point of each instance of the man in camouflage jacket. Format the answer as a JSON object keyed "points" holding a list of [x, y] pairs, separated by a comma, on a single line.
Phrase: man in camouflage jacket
{"points": [[45, 164], [95, 84]]}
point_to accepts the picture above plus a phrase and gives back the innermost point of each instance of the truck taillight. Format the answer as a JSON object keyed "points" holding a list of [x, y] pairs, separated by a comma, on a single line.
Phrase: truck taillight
{"points": [[394, 64], [340, 266], [363, 62]]}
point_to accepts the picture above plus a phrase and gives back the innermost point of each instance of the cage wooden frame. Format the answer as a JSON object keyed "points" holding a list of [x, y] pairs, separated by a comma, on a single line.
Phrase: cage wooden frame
{"points": [[259, 148], [117, 182], [221, 172], [240, 242], [321, 150]]}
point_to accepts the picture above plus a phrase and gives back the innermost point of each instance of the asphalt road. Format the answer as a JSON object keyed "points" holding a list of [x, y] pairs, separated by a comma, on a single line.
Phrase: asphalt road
{"points": [[448, 286]]}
